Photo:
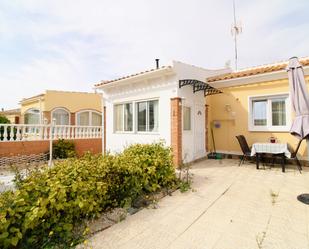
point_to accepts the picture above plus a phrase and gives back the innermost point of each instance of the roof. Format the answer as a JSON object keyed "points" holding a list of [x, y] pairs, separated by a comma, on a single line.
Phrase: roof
{"points": [[104, 82], [11, 111], [35, 97], [257, 70]]}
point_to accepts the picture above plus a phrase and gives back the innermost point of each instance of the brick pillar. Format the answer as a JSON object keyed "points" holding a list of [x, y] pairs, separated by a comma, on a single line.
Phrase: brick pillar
{"points": [[176, 130], [104, 129], [47, 115], [72, 118], [206, 127]]}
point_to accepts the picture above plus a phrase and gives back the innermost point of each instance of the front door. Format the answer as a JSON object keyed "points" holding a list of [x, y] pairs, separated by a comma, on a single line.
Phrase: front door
{"points": [[199, 131]]}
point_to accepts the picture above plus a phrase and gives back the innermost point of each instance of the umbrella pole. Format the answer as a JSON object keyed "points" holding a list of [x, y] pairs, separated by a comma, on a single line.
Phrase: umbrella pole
{"points": [[307, 140]]}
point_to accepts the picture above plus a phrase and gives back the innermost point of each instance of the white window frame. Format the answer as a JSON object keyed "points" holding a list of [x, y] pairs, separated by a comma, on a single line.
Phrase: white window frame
{"points": [[63, 109], [147, 116], [269, 127], [29, 112], [90, 117], [123, 121], [183, 127]]}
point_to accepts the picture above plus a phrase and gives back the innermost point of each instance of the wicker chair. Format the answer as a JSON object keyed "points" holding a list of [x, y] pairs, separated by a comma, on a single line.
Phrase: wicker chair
{"points": [[244, 147]]}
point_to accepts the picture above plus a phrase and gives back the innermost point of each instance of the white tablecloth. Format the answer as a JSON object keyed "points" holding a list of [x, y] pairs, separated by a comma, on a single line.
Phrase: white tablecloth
{"points": [[272, 148]]}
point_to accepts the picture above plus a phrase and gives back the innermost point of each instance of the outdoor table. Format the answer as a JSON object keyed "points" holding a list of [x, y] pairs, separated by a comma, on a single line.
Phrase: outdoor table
{"points": [[279, 149]]}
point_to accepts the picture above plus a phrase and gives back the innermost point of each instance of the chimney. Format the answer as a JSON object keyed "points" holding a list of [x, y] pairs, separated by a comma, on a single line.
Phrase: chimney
{"points": [[157, 63]]}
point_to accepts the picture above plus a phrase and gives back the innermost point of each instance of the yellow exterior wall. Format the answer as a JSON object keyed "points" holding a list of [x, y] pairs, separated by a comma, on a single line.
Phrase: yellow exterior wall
{"points": [[73, 101], [237, 97], [35, 103]]}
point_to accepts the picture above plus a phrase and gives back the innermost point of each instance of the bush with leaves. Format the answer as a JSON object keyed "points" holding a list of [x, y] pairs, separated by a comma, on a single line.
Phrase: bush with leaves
{"points": [[63, 149], [50, 203], [3, 120]]}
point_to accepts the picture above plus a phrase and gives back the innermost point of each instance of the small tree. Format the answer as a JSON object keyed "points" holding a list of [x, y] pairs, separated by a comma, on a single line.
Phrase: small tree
{"points": [[3, 120]]}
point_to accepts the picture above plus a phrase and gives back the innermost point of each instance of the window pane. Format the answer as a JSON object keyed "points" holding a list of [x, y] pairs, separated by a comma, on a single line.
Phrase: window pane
{"points": [[259, 112], [153, 107], [141, 116], [96, 119], [186, 118], [128, 117], [118, 117], [61, 116], [83, 118], [32, 116], [278, 112]]}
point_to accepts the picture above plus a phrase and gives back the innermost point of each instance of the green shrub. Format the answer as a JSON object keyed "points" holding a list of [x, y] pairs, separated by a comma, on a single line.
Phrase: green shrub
{"points": [[50, 203], [4, 120], [63, 149]]}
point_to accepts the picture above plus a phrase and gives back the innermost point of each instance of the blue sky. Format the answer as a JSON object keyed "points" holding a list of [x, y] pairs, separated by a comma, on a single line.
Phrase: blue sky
{"points": [[71, 44]]}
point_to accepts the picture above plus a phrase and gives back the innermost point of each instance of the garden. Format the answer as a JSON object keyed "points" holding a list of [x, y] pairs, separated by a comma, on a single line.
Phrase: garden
{"points": [[51, 206]]}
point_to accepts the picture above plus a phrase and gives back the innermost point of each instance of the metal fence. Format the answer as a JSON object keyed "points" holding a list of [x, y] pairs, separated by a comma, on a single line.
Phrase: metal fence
{"points": [[24, 159]]}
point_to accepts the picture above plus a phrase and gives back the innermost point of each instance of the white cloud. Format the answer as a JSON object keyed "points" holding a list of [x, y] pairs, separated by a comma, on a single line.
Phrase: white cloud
{"points": [[77, 43]]}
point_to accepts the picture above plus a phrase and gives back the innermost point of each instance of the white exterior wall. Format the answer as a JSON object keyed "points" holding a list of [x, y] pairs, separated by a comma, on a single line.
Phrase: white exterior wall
{"points": [[161, 84], [193, 141], [161, 88]]}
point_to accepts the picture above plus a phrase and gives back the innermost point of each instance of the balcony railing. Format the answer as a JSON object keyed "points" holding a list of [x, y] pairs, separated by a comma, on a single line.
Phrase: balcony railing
{"points": [[26, 132]]}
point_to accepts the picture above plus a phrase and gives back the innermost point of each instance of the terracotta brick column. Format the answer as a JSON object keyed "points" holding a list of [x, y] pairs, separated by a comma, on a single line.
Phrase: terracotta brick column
{"points": [[104, 129], [176, 130], [206, 127], [47, 115], [72, 118]]}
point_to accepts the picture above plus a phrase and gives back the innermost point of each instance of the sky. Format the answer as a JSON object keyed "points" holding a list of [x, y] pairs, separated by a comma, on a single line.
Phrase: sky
{"points": [[73, 44]]}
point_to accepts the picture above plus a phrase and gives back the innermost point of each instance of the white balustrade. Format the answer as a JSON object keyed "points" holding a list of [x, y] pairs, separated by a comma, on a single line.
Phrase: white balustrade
{"points": [[27, 132]]}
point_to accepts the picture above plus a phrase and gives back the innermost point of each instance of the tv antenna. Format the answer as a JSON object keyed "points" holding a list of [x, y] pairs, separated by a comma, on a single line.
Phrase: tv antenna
{"points": [[236, 30]]}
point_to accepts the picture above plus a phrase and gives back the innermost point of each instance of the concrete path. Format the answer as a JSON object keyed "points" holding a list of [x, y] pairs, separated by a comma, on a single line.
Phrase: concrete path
{"points": [[231, 208]]}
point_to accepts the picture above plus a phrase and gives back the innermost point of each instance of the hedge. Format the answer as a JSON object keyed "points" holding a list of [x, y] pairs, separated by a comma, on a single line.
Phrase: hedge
{"points": [[50, 203]]}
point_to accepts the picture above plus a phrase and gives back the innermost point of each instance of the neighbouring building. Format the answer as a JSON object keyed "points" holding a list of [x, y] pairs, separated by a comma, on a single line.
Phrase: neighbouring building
{"points": [[66, 108], [13, 115], [166, 103], [254, 102]]}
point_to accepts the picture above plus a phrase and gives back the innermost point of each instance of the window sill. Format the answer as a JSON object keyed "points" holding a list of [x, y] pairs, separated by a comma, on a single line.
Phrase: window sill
{"points": [[123, 132], [136, 133], [285, 129], [147, 133]]}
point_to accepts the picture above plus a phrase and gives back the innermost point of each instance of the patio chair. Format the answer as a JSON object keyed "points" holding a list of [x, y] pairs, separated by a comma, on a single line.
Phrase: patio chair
{"points": [[244, 147], [294, 155]]}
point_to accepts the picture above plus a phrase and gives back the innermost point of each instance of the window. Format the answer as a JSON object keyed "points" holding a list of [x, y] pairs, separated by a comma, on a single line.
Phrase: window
{"points": [[186, 118], [147, 116], [89, 118], [123, 117], [269, 113], [62, 116], [32, 116], [260, 112]]}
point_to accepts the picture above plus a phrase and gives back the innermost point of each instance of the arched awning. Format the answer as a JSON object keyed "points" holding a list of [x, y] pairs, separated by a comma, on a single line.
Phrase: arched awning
{"points": [[199, 86]]}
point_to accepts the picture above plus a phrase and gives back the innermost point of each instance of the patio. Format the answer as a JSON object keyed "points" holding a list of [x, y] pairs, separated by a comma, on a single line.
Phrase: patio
{"points": [[230, 207]]}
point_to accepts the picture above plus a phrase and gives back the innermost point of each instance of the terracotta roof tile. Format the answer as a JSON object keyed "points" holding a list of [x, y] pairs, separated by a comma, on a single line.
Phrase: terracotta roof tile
{"points": [[104, 82], [256, 70]]}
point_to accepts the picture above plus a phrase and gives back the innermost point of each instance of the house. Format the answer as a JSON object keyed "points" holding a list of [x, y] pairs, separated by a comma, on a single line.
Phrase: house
{"points": [[166, 103], [13, 115], [254, 102], [67, 108]]}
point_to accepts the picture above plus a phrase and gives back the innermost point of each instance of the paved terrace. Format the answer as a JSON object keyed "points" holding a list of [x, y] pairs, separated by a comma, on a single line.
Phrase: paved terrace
{"points": [[231, 208]]}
